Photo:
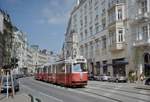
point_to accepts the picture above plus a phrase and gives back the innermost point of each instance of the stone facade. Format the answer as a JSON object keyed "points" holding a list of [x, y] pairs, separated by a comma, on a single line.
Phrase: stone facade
{"points": [[107, 32]]}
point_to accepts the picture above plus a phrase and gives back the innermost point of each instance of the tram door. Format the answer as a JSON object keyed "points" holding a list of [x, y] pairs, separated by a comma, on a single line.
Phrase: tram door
{"points": [[68, 73]]}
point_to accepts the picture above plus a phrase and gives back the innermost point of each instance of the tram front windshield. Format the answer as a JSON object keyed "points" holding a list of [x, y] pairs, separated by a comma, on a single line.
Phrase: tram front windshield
{"points": [[79, 67]]}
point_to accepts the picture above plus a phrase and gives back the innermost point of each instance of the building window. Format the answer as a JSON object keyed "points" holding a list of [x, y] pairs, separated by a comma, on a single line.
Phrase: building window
{"points": [[81, 50], [103, 12], [144, 6], [112, 17], [91, 49], [120, 35], [97, 43], [96, 2], [85, 19], [81, 36], [98, 68], [97, 28], [91, 30], [91, 17], [105, 71], [90, 2], [85, 9], [103, 23], [96, 14], [104, 42], [86, 50], [112, 36], [86, 33], [81, 23], [119, 14], [145, 32]]}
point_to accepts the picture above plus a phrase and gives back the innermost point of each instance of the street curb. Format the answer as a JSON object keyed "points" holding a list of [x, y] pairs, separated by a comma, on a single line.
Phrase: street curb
{"points": [[143, 87]]}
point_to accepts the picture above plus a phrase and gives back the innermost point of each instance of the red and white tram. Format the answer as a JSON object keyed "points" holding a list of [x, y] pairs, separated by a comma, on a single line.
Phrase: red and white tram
{"points": [[70, 73]]}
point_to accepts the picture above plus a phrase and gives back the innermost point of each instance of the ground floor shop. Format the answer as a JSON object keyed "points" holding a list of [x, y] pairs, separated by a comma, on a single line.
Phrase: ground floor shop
{"points": [[116, 67]]}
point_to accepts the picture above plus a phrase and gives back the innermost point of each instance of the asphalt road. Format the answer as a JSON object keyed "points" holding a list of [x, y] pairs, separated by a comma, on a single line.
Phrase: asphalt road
{"points": [[94, 92]]}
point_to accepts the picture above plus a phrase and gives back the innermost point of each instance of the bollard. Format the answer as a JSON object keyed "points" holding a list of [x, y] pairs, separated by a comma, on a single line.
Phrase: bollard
{"points": [[32, 100], [38, 100]]}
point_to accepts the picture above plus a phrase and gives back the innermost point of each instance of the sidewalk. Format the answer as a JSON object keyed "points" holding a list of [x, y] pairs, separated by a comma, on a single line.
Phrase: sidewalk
{"points": [[136, 85], [17, 98], [139, 85]]}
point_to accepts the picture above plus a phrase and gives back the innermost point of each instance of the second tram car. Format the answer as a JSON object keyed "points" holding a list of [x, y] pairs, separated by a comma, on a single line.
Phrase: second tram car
{"points": [[69, 73]]}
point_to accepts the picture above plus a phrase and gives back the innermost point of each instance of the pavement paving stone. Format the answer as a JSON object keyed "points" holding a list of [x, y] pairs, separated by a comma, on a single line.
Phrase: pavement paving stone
{"points": [[17, 98], [2, 97]]}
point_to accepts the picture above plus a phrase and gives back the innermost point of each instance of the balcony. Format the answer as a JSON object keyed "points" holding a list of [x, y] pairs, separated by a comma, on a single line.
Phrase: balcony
{"points": [[142, 16], [144, 41], [114, 3], [116, 46]]}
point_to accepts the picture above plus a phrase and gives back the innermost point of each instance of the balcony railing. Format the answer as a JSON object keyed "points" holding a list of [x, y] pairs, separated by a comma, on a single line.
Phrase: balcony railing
{"points": [[117, 46], [112, 3], [142, 41], [142, 16]]}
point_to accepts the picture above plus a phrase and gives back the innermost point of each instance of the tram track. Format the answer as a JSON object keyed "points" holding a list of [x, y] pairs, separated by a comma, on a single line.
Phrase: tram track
{"points": [[114, 99], [105, 93], [117, 89], [116, 93]]}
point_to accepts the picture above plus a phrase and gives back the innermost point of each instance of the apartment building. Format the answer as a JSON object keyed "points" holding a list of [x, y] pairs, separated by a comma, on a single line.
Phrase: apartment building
{"points": [[40, 57], [19, 50], [6, 35], [113, 35]]}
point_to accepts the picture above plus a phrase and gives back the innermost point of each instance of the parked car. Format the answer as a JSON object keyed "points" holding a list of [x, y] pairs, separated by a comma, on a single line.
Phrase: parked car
{"points": [[147, 81], [4, 84], [118, 79], [104, 77]]}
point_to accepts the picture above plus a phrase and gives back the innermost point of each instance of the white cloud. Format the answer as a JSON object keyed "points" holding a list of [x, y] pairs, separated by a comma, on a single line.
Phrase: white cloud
{"points": [[56, 11]]}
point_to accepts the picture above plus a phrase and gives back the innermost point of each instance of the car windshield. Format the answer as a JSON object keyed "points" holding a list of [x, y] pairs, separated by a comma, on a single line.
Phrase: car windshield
{"points": [[79, 67]]}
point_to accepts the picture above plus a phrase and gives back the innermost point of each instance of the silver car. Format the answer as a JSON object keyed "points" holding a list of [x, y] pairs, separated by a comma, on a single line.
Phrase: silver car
{"points": [[118, 79], [4, 84], [104, 77]]}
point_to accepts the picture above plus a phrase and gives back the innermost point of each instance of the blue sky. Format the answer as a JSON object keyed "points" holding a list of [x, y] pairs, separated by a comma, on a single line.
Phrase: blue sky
{"points": [[44, 21]]}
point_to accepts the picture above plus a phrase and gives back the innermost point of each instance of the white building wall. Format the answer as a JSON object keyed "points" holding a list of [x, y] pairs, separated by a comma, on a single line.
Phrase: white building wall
{"points": [[19, 51]]}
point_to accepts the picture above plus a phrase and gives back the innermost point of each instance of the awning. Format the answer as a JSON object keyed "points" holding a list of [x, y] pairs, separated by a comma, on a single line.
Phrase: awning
{"points": [[120, 62]]}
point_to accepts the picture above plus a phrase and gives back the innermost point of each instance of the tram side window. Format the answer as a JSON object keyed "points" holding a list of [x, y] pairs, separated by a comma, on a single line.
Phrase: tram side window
{"points": [[61, 68], [54, 69], [83, 67], [68, 68], [37, 70], [44, 69], [49, 69]]}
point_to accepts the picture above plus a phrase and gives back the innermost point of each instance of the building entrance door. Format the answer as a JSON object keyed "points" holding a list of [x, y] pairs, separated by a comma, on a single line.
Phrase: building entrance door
{"points": [[147, 64], [119, 67]]}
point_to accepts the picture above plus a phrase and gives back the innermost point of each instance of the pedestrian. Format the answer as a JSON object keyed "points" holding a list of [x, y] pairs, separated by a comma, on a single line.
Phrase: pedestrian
{"points": [[142, 77]]}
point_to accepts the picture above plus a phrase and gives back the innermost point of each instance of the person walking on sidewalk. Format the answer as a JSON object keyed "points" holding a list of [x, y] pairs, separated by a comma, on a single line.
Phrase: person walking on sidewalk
{"points": [[142, 77]]}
